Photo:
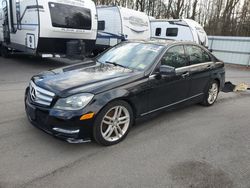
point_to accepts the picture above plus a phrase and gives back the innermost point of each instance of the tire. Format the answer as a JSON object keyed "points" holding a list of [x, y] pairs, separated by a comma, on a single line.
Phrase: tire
{"points": [[211, 94], [4, 52], [107, 130]]}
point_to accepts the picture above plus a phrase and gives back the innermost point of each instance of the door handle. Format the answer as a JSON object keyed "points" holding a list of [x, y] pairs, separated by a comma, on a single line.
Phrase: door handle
{"points": [[209, 66], [185, 74]]}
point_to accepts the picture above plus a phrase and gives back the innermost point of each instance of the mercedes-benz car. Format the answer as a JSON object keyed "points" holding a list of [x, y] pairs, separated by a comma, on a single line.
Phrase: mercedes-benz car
{"points": [[101, 98]]}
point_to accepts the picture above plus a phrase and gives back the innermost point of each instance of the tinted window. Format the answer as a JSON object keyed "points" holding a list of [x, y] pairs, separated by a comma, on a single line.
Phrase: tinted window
{"points": [[175, 57], [67, 16], [197, 55], [158, 32], [205, 56], [101, 25], [172, 32]]}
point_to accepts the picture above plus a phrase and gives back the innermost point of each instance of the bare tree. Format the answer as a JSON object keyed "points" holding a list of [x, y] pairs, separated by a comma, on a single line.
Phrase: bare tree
{"points": [[194, 9], [178, 8]]}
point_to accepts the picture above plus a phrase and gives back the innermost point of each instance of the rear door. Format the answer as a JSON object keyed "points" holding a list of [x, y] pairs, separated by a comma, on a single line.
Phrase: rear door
{"points": [[200, 65]]}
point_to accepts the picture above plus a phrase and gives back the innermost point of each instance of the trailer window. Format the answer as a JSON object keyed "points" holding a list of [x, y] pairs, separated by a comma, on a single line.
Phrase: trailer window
{"points": [[101, 25], [68, 16], [158, 32], [172, 32]]}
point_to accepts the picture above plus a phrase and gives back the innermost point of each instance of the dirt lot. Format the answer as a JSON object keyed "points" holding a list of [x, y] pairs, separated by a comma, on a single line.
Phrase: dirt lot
{"points": [[192, 147]]}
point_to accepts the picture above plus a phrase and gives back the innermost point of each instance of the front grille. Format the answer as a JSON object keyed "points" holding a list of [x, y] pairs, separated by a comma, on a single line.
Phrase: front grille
{"points": [[40, 96]]}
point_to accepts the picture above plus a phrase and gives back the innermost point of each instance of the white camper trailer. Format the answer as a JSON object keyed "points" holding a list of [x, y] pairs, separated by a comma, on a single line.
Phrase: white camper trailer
{"points": [[47, 27], [116, 24], [179, 29]]}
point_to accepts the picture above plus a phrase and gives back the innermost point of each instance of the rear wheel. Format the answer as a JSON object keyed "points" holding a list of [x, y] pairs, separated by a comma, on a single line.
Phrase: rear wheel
{"points": [[112, 124], [211, 94]]}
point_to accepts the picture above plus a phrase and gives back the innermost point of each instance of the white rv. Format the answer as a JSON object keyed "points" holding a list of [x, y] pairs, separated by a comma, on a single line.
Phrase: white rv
{"points": [[179, 29], [47, 27], [116, 24]]}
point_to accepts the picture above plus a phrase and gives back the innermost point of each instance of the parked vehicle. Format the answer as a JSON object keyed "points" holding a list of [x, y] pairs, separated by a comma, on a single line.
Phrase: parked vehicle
{"points": [[116, 24], [179, 29], [47, 27], [100, 98]]}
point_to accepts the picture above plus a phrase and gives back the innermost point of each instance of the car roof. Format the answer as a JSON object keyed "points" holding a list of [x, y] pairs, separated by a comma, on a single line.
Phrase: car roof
{"points": [[163, 42]]}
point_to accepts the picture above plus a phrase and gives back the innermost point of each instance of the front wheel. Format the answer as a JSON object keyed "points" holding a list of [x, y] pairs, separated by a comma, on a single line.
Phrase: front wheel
{"points": [[211, 94], [112, 124]]}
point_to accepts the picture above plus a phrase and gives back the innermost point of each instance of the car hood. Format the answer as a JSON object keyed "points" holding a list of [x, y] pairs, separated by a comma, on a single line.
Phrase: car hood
{"points": [[89, 77]]}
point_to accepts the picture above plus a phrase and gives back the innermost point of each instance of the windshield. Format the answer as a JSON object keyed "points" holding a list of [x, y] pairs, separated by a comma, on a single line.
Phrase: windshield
{"points": [[134, 55]]}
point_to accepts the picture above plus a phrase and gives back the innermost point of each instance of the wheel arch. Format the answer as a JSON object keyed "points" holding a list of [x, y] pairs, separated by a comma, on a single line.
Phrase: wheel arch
{"points": [[219, 78], [117, 95], [218, 81]]}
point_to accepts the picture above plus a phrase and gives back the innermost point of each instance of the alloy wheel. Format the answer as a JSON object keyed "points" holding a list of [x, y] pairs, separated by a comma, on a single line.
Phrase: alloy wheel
{"points": [[115, 123], [213, 93]]}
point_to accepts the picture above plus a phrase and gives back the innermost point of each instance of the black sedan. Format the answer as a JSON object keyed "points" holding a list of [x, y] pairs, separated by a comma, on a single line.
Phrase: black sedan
{"points": [[100, 98]]}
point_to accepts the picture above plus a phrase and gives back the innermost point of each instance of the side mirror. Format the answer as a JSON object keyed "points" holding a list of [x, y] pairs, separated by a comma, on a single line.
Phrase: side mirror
{"points": [[168, 71]]}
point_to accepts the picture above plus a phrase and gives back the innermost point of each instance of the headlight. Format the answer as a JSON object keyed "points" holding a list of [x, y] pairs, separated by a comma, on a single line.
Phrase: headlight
{"points": [[75, 102]]}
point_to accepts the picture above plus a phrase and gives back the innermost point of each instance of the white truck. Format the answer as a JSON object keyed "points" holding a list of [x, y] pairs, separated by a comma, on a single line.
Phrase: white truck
{"points": [[179, 29], [116, 24], [49, 28]]}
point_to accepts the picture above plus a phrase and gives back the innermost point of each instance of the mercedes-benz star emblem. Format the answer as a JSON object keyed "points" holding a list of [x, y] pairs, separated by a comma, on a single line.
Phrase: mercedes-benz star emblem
{"points": [[33, 94]]}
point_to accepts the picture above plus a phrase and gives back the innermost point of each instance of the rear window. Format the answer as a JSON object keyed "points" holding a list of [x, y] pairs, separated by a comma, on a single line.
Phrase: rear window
{"points": [[171, 32], [68, 16]]}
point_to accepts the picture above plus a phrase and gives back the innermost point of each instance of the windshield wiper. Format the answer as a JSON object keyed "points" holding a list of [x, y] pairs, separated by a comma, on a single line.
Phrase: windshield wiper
{"points": [[116, 64]]}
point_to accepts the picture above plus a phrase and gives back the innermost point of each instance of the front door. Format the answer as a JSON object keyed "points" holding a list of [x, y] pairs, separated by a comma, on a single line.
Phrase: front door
{"points": [[6, 27], [168, 91]]}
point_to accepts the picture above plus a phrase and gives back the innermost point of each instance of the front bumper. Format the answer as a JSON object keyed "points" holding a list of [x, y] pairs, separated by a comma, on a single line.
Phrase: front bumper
{"points": [[65, 125]]}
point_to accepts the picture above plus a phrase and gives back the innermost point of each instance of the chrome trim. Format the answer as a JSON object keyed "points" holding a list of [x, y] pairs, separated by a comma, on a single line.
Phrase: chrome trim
{"points": [[41, 90], [66, 131], [77, 141], [151, 77], [171, 104], [194, 67], [39, 95]]}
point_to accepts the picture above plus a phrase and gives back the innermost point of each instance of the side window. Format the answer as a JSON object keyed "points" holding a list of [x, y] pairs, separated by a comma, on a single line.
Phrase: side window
{"points": [[171, 32], [101, 25], [158, 32], [206, 57], [197, 55], [175, 57]]}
